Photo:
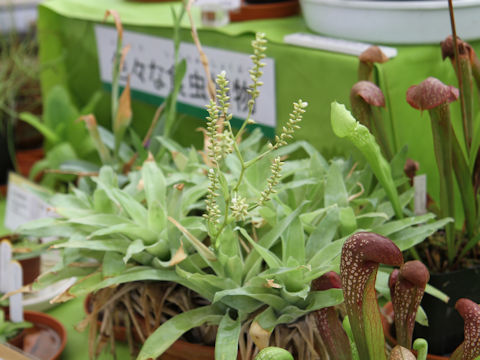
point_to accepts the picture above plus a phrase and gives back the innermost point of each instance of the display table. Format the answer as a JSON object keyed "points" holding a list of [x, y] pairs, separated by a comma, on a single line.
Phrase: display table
{"points": [[68, 52], [70, 314]]}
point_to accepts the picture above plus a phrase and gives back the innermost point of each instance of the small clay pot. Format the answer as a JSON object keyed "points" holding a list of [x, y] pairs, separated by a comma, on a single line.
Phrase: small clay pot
{"points": [[26, 159], [47, 338], [30, 267], [387, 324]]}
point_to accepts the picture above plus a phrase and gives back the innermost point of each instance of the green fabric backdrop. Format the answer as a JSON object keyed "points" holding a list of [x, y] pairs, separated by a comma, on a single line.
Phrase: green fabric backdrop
{"points": [[69, 56]]}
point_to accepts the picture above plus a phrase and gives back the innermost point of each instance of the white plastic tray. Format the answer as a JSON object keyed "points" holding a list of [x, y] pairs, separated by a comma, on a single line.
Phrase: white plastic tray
{"points": [[392, 22]]}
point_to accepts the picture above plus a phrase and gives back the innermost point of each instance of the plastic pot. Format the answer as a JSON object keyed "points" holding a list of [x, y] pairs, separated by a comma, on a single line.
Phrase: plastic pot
{"points": [[47, 338], [388, 330], [464, 283], [180, 349]]}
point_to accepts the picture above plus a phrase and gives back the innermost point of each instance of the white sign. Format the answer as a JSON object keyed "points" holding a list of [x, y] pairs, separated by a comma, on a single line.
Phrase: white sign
{"points": [[23, 203], [150, 65], [222, 4]]}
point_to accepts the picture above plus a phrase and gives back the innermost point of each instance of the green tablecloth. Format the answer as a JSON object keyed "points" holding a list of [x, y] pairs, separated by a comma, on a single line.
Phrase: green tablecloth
{"points": [[68, 52], [70, 314]]}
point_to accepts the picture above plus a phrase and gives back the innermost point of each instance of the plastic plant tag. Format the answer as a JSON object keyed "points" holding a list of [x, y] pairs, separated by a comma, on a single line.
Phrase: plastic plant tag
{"points": [[15, 282], [24, 202], [420, 186], [9, 352], [224, 4], [5, 258]]}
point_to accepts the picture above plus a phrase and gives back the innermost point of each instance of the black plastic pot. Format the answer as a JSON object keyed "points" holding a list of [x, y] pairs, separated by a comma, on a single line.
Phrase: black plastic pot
{"points": [[6, 164], [445, 331]]}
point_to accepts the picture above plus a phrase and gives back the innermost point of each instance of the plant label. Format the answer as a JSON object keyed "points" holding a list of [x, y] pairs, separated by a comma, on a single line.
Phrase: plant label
{"points": [[9, 352], [223, 4], [15, 282], [24, 202], [5, 258], [334, 45], [150, 66], [420, 199]]}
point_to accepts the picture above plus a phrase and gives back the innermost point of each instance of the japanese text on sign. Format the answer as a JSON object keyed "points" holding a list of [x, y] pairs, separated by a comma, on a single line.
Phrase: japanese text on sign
{"points": [[150, 65]]}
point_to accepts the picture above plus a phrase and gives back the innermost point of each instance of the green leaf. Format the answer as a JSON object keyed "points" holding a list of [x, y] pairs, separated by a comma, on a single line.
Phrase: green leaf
{"points": [[206, 253], [293, 242], [34, 121], [437, 293], [327, 254], [269, 239], [171, 330], [116, 245], [154, 183], [49, 278], [409, 237], [131, 230], [132, 207], [323, 234], [270, 258], [345, 125], [112, 264], [135, 247], [335, 190], [398, 225], [261, 294], [226, 343], [138, 273]]}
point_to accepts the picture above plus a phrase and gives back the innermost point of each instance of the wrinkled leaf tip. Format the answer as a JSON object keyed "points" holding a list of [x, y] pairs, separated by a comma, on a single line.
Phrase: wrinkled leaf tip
{"points": [[329, 280], [401, 353], [464, 49], [90, 120], [259, 335], [342, 120], [178, 257], [467, 308], [415, 273], [150, 158], [369, 92], [411, 167], [116, 18], [373, 55], [431, 93], [371, 247]]}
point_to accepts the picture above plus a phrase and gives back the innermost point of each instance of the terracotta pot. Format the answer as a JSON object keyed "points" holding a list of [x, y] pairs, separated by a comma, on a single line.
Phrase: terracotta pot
{"points": [[30, 267], [180, 349], [183, 350], [27, 158], [47, 338], [265, 10], [387, 324], [119, 332]]}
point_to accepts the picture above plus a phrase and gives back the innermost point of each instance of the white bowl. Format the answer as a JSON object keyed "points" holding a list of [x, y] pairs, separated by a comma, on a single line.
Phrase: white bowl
{"points": [[392, 22]]}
